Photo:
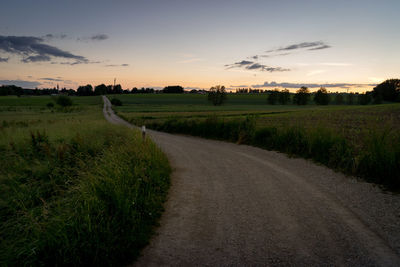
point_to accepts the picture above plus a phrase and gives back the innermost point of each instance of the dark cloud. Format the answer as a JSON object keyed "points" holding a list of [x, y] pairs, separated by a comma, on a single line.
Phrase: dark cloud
{"points": [[309, 85], [117, 65], [96, 37], [51, 36], [243, 85], [320, 47], [52, 79], [250, 65], [301, 45], [33, 49], [21, 83], [37, 58], [4, 59], [99, 37]]}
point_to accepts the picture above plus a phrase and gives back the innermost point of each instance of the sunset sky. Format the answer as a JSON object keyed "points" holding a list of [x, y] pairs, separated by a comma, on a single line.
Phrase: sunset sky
{"points": [[198, 44]]}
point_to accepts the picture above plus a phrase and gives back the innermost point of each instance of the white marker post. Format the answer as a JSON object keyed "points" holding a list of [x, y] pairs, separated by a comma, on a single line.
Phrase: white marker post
{"points": [[144, 132]]}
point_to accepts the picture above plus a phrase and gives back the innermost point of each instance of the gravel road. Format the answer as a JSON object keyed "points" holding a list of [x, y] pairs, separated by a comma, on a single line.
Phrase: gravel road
{"points": [[239, 205]]}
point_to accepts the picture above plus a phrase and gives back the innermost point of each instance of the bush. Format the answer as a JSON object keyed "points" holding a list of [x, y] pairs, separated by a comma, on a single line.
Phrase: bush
{"points": [[217, 95], [88, 200], [50, 105], [116, 102], [273, 97], [64, 101], [301, 97], [322, 97], [378, 161]]}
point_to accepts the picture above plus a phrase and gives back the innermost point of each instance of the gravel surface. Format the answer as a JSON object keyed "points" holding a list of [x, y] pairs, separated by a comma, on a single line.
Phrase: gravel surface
{"points": [[239, 205]]}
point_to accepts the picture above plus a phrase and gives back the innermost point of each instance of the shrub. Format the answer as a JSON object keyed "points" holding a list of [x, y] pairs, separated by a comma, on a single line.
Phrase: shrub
{"points": [[116, 102], [64, 101], [301, 97], [50, 105], [217, 95], [321, 97]]}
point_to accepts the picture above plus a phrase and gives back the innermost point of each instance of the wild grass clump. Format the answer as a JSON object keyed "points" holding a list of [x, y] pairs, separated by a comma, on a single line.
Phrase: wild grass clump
{"points": [[375, 157], [89, 198]]}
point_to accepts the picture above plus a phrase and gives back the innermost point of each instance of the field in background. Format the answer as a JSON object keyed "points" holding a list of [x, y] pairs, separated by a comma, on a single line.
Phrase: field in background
{"points": [[74, 189], [358, 140]]}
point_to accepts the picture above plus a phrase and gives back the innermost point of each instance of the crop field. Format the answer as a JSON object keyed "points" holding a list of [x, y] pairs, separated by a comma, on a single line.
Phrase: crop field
{"points": [[358, 140], [74, 189]]}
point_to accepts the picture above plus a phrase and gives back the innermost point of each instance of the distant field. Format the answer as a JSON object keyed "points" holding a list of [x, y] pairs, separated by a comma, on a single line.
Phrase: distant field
{"points": [[158, 107], [151, 108], [359, 140], [74, 189]]}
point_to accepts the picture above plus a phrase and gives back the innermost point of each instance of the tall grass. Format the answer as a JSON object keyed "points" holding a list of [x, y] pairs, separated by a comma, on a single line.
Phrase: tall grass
{"points": [[376, 157], [85, 194]]}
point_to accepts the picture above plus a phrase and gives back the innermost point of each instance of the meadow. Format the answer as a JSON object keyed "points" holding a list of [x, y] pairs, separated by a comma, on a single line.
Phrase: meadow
{"points": [[358, 140], [74, 189]]}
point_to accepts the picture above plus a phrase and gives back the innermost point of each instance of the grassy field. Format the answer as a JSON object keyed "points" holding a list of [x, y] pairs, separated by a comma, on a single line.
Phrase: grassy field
{"points": [[74, 190], [358, 140]]}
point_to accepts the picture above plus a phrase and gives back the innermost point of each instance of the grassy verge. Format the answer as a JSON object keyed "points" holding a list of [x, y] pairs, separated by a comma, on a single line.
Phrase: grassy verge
{"points": [[373, 155], [75, 190]]}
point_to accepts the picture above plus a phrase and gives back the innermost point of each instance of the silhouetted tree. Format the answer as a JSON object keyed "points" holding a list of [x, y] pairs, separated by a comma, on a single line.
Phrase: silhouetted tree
{"points": [[301, 97], [364, 99], [339, 99], [100, 89], [273, 97], [388, 90], [117, 89], [85, 90], [176, 89], [284, 96], [322, 97], [350, 99], [217, 95], [11, 90]]}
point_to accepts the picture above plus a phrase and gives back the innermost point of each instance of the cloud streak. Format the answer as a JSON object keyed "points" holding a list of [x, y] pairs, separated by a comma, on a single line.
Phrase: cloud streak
{"points": [[99, 37], [251, 65], [310, 45], [21, 83], [117, 65], [309, 85], [33, 49], [52, 79]]}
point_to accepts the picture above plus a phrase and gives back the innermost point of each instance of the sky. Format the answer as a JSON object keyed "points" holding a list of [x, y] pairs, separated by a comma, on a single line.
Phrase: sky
{"points": [[340, 45]]}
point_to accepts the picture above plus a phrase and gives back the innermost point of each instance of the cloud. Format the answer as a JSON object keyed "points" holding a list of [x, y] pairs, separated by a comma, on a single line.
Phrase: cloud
{"points": [[320, 47], [301, 45], [239, 86], [309, 85], [250, 65], [21, 83], [99, 37], [289, 49], [4, 59], [52, 79], [51, 36], [117, 65], [37, 58], [34, 50]]}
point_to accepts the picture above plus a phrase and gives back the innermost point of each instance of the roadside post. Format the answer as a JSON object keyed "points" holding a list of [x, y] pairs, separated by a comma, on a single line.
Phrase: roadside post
{"points": [[144, 132]]}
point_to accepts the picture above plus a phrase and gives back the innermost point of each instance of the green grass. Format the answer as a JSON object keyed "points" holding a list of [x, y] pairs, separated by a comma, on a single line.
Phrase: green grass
{"points": [[358, 140], [75, 190]]}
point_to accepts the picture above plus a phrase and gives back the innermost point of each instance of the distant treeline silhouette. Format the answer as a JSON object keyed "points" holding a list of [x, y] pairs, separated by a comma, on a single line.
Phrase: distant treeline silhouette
{"points": [[387, 91]]}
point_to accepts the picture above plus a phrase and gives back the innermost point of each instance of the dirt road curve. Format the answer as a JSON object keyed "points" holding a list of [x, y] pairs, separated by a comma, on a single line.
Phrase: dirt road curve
{"points": [[238, 205]]}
